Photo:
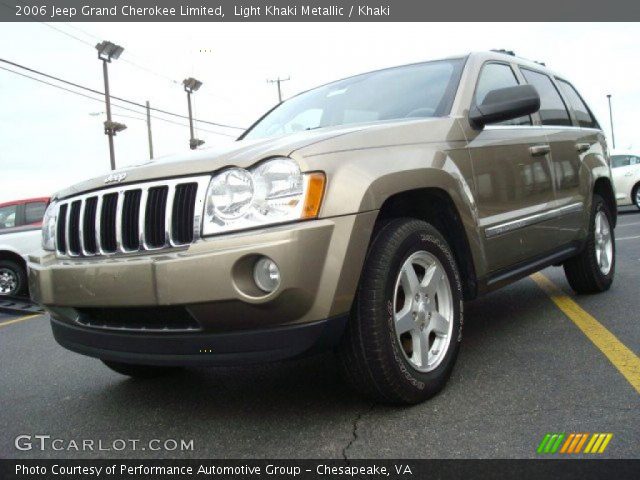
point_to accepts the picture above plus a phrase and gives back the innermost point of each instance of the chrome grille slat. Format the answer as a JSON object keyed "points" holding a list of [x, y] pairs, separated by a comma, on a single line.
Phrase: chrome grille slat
{"points": [[142, 218], [119, 205], [168, 215], [98, 230], [122, 218], [67, 230], [83, 206]]}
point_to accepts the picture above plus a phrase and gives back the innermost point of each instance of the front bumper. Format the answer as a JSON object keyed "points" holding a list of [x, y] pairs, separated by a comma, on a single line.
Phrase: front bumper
{"points": [[319, 261], [253, 346]]}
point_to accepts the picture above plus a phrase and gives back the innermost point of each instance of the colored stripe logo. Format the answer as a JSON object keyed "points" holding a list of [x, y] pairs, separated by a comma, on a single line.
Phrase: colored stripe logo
{"points": [[572, 443]]}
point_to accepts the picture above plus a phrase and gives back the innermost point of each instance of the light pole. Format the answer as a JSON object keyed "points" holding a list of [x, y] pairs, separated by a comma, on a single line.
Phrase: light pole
{"points": [[147, 121], [192, 85], [613, 137], [278, 81], [108, 51], [149, 130]]}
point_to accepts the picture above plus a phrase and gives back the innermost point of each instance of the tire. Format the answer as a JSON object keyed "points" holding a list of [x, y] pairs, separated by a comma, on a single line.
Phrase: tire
{"points": [[374, 360], [140, 371], [635, 195], [584, 272], [13, 278]]}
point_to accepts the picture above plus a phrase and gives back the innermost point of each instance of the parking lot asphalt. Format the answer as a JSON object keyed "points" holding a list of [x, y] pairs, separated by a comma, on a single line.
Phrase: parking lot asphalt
{"points": [[525, 369]]}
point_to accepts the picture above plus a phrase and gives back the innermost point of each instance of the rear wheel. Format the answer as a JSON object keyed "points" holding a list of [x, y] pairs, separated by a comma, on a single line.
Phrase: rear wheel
{"points": [[404, 332], [140, 371], [593, 269], [635, 195], [13, 278]]}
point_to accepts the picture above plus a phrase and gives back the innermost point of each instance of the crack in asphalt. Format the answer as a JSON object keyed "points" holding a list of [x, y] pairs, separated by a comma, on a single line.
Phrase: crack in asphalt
{"points": [[354, 430]]}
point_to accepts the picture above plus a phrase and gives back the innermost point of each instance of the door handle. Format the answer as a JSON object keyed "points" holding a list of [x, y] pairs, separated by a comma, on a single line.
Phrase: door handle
{"points": [[538, 150], [582, 147], [628, 174]]}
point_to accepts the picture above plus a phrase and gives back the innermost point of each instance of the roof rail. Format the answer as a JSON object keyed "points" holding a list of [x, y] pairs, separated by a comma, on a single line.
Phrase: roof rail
{"points": [[506, 52]]}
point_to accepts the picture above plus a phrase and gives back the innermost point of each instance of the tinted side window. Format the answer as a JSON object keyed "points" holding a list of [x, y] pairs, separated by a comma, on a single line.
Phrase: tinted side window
{"points": [[493, 76], [34, 212], [553, 111], [8, 216], [582, 112], [618, 161]]}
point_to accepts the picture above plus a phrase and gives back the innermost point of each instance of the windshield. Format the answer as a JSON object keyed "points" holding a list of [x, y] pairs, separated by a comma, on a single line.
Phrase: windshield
{"points": [[413, 91]]}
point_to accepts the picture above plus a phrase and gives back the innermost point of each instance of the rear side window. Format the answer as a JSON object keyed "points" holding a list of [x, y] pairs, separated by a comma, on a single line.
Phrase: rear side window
{"points": [[580, 109], [492, 77], [553, 111], [8, 216], [618, 161], [34, 212]]}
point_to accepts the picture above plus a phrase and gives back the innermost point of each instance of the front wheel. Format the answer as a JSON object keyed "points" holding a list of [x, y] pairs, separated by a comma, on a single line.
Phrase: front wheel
{"points": [[13, 278], [405, 329], [593, 269], [139, 371]]}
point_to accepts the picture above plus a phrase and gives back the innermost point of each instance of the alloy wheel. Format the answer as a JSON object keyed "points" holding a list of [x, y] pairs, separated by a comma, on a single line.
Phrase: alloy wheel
{"points": [[604, 243], [8, 281], [423, 311]]}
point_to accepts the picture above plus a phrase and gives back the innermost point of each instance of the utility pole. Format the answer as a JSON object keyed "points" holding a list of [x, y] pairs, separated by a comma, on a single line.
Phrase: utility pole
{"points": [[106, 52], [278, 81], [613, 137], [192, 85], [149, 130]]}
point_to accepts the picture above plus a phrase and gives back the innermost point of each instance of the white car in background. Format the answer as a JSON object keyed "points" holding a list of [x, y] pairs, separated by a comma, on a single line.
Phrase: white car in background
{"points": [[625, 167], [20, 235]]}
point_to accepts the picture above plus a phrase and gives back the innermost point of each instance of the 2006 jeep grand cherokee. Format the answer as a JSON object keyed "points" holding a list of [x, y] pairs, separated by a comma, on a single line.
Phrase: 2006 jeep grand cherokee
{"points": [[357, 216]]}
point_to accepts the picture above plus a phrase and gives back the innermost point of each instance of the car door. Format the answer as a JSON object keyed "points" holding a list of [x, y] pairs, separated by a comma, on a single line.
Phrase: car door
{"points": [[569, 145], [625, 169], [512, 176]]}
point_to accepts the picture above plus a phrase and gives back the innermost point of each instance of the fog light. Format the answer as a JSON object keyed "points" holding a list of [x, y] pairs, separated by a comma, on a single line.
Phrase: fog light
{"points": [[266, 274]]}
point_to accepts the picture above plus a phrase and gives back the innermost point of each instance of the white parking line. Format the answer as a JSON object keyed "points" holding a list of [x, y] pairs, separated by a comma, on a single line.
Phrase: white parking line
{"points": [[627, 224], [627, 238]]}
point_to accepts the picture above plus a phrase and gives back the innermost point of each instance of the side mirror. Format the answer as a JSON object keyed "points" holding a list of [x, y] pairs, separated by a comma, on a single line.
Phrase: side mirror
{"points": [[505, 104]]}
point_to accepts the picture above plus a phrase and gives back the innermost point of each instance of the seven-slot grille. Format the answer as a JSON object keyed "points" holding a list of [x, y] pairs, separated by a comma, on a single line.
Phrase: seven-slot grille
{"points": [[131, 218]]}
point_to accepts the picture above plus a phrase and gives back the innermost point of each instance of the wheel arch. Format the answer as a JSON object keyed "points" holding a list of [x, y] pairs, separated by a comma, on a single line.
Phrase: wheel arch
{"points": [[435, 206], [603, 187], [14, 257]]}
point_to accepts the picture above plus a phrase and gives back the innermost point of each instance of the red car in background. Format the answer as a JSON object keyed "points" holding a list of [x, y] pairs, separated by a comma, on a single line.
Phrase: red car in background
{"points": [[20, 224], [22, 213]]}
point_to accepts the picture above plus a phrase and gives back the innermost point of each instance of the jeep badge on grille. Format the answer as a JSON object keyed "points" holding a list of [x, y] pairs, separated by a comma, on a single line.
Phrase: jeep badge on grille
{"points": [[115, 178]]}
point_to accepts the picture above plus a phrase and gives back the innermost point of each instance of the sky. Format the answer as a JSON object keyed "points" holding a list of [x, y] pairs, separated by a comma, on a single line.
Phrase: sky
{"points": [[51, 139]]}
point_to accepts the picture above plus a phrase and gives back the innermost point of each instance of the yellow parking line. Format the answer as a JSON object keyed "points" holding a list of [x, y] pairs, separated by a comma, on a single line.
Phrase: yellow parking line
{"points": [[622, 358], [19, 319]]}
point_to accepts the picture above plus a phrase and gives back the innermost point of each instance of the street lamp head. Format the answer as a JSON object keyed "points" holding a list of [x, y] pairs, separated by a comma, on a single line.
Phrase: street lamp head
{"points": [[108, 51], [111, 128], [195, 143], [191, 84]]}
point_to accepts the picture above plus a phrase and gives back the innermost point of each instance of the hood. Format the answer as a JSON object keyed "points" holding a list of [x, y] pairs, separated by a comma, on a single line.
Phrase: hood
{"points": [[242, 153], [245, 153]]}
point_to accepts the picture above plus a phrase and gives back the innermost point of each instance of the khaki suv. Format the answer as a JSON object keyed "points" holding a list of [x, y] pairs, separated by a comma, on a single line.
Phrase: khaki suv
{"points": [[357, 216]]}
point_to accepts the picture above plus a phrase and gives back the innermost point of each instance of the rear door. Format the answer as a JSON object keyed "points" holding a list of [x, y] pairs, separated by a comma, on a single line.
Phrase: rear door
{"points": [[569, 145], [512, 176]]}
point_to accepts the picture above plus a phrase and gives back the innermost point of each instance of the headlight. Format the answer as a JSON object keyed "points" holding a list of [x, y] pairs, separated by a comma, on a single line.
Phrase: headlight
{"points": [[274, 191], [49, 227]]}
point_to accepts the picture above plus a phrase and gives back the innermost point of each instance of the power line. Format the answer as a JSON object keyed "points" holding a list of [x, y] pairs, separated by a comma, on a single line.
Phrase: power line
{"points": [[101, 101], [65, 33], [127, 52], [98, 92]]}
